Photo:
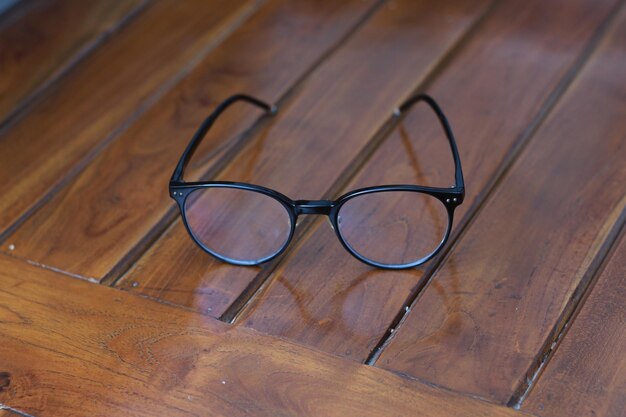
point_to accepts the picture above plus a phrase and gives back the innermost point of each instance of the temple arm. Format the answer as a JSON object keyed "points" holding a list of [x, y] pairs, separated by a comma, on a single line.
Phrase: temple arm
{"points": [[458, 171], [177, 176]]}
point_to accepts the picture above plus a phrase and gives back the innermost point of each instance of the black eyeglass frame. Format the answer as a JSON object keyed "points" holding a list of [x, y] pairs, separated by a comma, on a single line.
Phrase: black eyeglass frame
{"points": [[450, 197]]}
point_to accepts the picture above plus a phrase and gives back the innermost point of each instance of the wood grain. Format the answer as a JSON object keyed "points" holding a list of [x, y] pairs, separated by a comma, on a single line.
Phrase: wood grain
{"points": [[114, 354], [587, 375], [510, 283], [314, 138], [525, 307], [43, 38], [83, 111], [275, 48], [320, 295]]}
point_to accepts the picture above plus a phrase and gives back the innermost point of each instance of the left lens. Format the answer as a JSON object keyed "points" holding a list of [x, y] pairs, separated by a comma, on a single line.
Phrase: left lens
{"points": [[239, 225], [393, 228]]}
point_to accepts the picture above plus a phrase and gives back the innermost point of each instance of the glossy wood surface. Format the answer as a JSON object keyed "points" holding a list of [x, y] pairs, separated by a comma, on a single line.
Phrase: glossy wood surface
{"points": [[316, 128], [108, 308], [587, 373], [320, 296], [268, 56], [114, 354], [79, 115], [43, 38], [512, 280]]}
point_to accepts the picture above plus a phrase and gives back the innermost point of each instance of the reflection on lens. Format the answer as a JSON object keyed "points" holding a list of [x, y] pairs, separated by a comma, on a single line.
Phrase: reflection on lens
{"points": [[241, 225], [393, 227]]}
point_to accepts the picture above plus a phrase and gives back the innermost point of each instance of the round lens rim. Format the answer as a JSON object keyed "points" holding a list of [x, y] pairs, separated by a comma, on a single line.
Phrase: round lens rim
{"points": [[440, 195], [287, 204]]}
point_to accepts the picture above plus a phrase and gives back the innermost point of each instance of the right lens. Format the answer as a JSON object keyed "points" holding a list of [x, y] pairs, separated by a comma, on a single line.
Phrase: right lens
{"points": [[243, 226], [393, 228]]}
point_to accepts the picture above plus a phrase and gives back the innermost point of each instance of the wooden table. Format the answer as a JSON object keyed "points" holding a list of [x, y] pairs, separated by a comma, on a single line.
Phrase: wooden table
{"points": [[107, 308]]}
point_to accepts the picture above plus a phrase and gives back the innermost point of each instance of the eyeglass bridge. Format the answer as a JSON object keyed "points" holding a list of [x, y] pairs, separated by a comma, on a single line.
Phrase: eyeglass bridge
{"points": [[314, 206]]}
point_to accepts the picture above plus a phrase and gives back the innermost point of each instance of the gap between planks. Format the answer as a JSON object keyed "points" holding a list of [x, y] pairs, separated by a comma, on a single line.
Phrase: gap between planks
{"points": [[81, 53], [512, 155], [13, 411], [573, 306]]}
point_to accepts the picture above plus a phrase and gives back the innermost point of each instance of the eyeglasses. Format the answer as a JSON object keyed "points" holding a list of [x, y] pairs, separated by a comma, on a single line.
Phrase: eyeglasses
{"points": [[388, 226]]}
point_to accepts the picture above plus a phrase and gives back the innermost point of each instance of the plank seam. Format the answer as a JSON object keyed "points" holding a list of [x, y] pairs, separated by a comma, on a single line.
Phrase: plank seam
{"points": [[141, 109], [569, 314], [263, 278], [13, 410], [439, 387], [50, 268], [119, 271], [84, 51], [94, 281], [485, 194]]}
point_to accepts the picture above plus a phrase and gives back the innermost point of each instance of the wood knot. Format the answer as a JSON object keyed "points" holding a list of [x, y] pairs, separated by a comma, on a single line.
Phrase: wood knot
{"points": [[5, 381]]}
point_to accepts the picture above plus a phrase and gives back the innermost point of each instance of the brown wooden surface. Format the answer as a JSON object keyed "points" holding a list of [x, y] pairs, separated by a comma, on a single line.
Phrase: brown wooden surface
{"points": [[522, 310], [85, 109], [587, 375], [7, 413], [141, 358], [265, 58], [43, 38], [327, 301], [508, 285], [306, 134]]}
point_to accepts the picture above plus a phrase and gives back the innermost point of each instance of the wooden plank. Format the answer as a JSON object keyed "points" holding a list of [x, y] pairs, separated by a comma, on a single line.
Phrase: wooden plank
{"points": [[83, 111], [513, 279], [43, 38], [320, 295], [72, 348], [314, 138], [587, 375], [7, 413], [266, 57]]}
